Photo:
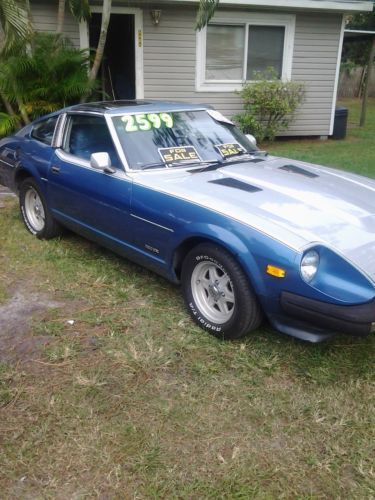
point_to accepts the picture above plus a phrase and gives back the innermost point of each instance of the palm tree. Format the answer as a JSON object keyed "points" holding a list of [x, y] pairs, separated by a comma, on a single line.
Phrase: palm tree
{"points": [[51, 76], [15, 22], [206, 10], [16, 27], [80, 10], [106, 16]]}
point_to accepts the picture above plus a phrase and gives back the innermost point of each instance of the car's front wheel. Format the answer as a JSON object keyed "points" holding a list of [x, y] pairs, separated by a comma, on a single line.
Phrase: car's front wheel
{"points": [[218, 294], [35, 212]]}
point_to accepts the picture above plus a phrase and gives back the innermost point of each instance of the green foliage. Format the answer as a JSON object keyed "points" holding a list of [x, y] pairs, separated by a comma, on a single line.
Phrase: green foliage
{"points": [[347, 66], [357, 50], [80, 9], [15, 22], [8, 123], [269, 105], [43, 77], [206, 10]]}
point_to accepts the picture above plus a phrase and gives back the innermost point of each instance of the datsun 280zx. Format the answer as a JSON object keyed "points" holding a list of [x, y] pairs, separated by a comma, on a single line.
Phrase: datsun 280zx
{"points": [[179, 189]]}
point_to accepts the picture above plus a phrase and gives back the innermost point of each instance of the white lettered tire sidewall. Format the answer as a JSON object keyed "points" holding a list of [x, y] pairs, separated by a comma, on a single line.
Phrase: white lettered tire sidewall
{"points": [[246, 314]]}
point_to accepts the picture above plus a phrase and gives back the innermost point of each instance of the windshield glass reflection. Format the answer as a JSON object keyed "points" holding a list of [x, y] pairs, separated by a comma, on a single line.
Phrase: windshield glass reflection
{"points": [[176, 138]]}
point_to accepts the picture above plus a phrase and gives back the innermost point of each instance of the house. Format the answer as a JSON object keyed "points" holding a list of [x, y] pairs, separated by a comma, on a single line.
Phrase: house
{"points": [[154, 52]]}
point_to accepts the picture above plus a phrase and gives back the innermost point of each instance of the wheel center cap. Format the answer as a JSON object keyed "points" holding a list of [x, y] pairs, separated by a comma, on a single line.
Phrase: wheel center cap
{"points": [[215, 292]]}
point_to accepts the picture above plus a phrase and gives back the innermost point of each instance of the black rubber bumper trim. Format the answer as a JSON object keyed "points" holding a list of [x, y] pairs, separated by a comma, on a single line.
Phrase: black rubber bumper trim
{"points": [[356, 320]]}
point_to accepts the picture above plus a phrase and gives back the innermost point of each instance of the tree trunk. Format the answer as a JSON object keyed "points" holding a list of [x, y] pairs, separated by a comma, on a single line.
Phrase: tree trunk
{"points": [[106, 15], [8, 106], [24, 115], [60, 16]]}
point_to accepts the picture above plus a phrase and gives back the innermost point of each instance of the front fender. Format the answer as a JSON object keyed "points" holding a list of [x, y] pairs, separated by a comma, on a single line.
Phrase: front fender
{"points": [[232, 242]]}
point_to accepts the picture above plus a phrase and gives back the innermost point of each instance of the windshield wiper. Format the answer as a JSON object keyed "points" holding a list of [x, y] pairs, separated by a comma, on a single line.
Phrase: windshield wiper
{"points": [[160, 164], [215, 164]]}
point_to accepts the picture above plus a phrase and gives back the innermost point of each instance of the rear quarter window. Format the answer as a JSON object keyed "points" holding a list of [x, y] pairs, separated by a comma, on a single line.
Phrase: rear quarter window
{"points": [[43, 130]]}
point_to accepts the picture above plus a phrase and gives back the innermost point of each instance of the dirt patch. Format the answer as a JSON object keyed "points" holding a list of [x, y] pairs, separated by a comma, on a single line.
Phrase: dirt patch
{"points": [[5, 193], [16, 314]]}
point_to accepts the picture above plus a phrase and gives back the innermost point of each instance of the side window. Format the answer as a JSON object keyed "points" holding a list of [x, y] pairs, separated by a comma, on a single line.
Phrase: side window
{"points": [[85, 135], [43, 131]]}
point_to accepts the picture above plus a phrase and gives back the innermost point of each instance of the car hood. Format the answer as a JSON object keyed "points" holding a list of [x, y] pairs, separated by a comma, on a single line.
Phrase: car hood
{"points": [[294, 202]]}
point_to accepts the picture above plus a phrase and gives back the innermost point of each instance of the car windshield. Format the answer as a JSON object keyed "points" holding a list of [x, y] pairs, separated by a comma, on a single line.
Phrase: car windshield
{"points": [[172, 139]]}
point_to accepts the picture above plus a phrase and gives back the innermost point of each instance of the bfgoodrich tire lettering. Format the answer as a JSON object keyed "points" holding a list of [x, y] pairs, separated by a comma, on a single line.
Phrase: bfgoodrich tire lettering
{"points": [[35, 212], [218, 294]]}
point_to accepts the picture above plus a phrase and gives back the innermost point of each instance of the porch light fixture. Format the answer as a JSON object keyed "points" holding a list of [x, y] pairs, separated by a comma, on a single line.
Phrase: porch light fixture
{"points": [[155, 16]]}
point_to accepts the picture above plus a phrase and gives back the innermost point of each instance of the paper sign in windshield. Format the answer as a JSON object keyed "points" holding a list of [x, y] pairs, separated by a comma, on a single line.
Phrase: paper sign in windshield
{"points": [[179, 154], [230, 149]]}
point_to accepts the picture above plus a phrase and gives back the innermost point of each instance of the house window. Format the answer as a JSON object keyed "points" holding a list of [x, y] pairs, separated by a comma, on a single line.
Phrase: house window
{"points": [[231, 51], [225, 52], [265, 49]]}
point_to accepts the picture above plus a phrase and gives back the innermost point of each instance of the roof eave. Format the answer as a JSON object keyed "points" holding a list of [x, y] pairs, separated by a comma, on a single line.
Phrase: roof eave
{"points": [[344, 6]]}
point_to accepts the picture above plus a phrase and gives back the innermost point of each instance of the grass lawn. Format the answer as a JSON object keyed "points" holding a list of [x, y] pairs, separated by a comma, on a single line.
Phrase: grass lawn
{"points": [[108, 390], [356, 153]]}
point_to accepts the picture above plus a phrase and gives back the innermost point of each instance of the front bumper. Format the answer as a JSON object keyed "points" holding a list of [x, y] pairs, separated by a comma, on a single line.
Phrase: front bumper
{"points": [[331, 318]]}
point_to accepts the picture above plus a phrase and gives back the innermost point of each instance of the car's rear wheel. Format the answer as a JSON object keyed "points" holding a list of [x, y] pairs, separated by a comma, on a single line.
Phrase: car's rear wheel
{"points": [[35, 212], [218, 294]]}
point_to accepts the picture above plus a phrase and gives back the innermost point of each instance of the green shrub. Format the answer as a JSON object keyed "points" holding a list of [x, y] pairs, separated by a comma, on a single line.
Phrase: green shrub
{"points": [[41, 76], [269, 104]]}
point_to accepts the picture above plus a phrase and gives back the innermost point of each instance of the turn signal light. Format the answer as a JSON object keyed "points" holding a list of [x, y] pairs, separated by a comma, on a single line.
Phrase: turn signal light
{"points": [[276, 271]]}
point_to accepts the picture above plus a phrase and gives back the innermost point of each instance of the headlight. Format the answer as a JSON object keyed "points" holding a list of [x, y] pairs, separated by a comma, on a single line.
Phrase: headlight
{"points": [[309, 265]]}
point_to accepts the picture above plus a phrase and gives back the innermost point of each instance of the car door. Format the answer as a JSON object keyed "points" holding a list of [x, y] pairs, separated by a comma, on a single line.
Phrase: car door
{"points": [[88, 200]]}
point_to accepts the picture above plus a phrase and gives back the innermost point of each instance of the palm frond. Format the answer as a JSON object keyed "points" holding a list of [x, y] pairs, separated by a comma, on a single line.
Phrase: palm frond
{"points": [[206, 10], [8, 124], [15, 22], [80, 9]]}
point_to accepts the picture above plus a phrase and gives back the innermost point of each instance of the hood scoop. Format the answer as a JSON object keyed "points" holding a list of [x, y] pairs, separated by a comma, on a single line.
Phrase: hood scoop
{"points": [[236, 184], [293, 169]]}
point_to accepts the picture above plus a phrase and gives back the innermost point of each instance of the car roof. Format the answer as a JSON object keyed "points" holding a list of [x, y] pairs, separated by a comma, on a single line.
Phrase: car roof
{"points": [[132, 106]]}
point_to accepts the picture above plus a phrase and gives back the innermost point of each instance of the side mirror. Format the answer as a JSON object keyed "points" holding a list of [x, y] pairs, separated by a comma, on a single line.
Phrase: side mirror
{"points": [[102, 161], [252, 140]]}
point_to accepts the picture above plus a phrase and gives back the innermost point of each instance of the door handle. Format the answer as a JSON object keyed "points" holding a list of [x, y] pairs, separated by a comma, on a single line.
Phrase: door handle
{"points": [[55, 169]]}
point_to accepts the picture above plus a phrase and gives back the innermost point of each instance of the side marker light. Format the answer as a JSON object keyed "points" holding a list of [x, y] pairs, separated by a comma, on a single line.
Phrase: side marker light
{"points": [[276, 271]]}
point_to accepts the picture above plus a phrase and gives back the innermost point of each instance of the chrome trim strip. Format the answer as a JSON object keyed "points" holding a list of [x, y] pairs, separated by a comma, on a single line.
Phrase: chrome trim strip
{"points": [[153, 223], [179, 110], [85, 112], [74, 160], [59, 130], [79, 162], [117, 142], [109, 237], [7, 163]]}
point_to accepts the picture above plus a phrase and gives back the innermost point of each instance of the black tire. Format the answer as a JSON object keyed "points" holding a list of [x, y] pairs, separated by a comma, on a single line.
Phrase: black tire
{"points": [[218, 294], [35, 212]]}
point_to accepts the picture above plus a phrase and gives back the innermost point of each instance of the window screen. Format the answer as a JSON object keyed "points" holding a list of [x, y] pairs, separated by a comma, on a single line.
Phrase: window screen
{"points": [[265, 49], [225, 52]]}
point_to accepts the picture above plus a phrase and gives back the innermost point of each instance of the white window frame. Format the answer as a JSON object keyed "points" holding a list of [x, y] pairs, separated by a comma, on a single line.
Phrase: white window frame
{"points": [[287, 21], [138, 41]]}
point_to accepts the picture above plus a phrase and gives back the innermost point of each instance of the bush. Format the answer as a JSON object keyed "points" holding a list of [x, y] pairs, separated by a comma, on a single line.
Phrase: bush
{"points": [[269, 104], [40, 76]]}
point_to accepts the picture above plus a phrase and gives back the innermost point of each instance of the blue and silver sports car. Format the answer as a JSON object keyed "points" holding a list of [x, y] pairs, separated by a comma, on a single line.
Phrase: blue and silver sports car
{"points": [[178, 188]]}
